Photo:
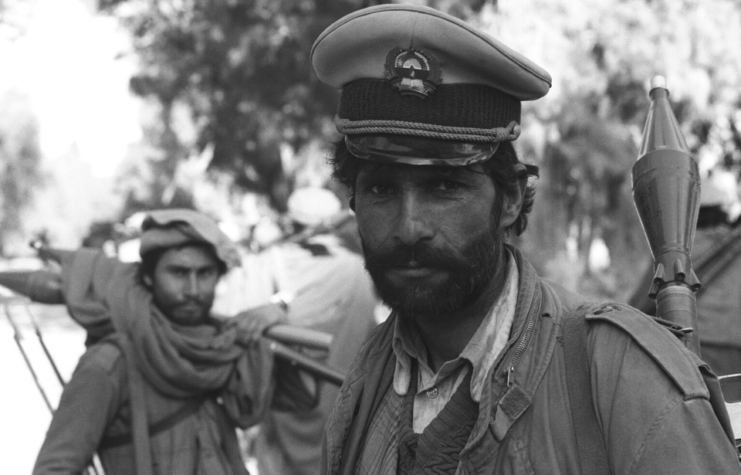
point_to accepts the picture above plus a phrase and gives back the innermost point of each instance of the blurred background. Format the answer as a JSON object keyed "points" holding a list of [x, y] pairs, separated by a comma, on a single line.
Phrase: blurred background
{"points": [[112, 107]]}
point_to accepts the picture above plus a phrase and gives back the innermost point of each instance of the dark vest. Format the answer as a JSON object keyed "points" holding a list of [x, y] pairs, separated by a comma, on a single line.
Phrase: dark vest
{"points": [[437, 448]]}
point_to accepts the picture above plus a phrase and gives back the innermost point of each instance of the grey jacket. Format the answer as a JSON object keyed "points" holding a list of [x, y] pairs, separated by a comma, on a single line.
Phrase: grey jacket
{"points": [[658, 406]]}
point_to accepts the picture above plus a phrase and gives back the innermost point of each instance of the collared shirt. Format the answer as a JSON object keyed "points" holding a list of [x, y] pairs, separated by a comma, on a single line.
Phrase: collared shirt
{"points": [[379, 454], [479, 355]]}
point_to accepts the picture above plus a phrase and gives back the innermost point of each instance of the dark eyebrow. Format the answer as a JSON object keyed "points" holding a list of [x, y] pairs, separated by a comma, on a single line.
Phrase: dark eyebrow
{"points": [[177, 267], [180, 267], [454, 172]]}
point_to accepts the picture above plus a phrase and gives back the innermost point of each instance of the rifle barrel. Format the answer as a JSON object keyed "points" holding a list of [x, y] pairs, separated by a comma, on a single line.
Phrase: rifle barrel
{"points": [[17, 336], [40, 337], [307, 364], [292, 335]]}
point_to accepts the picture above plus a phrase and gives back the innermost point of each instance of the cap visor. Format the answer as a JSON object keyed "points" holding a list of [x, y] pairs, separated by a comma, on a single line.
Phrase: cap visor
{"points": [[419, 150]]}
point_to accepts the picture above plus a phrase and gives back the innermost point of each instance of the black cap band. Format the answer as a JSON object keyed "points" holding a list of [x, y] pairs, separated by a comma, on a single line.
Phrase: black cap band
{"points": [[467, 112]]}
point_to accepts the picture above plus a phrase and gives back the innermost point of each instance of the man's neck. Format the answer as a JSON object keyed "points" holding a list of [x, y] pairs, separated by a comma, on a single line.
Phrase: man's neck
{"points": [[447, 335]]}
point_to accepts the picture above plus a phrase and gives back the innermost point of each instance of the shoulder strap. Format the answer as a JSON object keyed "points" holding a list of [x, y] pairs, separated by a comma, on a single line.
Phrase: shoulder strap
{"points": [[139, 424], [589, 440], [170, 421]]}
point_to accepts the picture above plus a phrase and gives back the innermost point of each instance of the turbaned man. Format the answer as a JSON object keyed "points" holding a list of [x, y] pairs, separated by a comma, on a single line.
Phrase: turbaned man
{"points": [[162, 385]]}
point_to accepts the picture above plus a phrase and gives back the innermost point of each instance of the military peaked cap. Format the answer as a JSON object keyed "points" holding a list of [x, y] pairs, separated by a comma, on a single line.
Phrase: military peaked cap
{"points": [[411, 76]]}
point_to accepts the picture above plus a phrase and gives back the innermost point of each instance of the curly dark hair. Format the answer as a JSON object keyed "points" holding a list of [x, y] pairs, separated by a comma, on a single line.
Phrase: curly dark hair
{"points": [[500, 168]]}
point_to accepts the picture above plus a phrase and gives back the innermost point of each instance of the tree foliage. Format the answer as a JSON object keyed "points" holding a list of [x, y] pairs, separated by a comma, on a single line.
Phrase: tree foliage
{"points": [[240, 71], [20, 159], [13, 14], [602, 55]]}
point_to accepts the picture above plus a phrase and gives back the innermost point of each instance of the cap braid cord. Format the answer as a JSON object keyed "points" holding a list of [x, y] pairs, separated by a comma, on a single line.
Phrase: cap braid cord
{"points": [[417, 129]]}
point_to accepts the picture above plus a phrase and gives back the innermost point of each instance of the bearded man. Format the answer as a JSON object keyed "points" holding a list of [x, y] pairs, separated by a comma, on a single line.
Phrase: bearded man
{"points": [[483, 366], [162, 385]]}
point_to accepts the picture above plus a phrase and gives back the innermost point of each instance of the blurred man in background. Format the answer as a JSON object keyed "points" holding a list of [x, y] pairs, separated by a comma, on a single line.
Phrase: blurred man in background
{"points": [[163, 384], [323, 286], [716, 258]]}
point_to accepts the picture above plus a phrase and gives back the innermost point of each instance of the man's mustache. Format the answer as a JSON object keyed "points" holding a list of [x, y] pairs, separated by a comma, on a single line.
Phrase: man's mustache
{"points": [[420, 254], [189, 302]]}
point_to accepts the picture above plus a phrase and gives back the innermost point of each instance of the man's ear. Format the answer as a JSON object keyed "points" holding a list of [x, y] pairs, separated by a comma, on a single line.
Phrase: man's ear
{"points": [[147, 279], [513, 204]]}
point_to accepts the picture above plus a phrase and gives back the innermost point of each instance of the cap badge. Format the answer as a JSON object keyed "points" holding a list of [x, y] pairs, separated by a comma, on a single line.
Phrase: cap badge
{"points": [[413, 72]]}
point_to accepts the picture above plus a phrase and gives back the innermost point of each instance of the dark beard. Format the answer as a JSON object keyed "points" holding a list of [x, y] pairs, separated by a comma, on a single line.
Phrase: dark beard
{"points": [[469, 273]]}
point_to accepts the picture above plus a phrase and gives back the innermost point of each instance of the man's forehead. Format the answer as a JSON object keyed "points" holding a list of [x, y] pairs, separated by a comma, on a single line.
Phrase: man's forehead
{"points": [[195, 256], [371, 168]]}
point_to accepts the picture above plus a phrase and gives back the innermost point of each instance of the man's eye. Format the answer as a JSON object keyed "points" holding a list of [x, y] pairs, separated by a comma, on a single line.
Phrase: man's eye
{"points": [[208, 273], [447, 185], [380, 189]]}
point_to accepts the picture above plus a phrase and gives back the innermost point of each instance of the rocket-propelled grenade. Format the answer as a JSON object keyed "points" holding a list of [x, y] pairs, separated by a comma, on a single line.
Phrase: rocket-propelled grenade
{"points": [[666, 191], [38, 285]]}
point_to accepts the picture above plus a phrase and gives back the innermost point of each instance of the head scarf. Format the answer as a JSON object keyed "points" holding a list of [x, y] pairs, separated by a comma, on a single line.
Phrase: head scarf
{"points": [[167, 228]]}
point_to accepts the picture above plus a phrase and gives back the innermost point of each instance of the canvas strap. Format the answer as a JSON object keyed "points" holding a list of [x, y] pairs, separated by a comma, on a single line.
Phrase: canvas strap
{"points": [[589, 440], [188, 409], [139, 424]]}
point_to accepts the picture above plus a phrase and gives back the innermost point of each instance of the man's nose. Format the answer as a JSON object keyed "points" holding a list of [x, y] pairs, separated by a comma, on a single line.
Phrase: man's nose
{"points": [[192, 285], [414, 220]]}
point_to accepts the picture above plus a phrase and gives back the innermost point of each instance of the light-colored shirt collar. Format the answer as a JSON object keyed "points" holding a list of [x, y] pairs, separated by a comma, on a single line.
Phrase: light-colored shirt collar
{"points": [[481, 351]]}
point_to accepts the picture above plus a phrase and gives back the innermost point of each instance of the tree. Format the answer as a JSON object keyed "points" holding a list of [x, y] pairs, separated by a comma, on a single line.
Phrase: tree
{"points": [[12, 16], [602, 54], [240, 72], [20, 159], [241, 69]]}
